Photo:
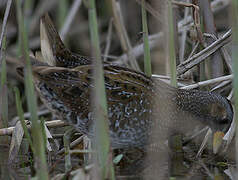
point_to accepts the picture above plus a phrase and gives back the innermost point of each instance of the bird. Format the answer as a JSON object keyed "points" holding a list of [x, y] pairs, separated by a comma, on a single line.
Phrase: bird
{"points": [[139, 107]]}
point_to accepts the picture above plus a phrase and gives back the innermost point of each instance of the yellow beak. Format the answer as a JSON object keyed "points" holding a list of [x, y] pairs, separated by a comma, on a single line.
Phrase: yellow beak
{"points": [[217, 141]]}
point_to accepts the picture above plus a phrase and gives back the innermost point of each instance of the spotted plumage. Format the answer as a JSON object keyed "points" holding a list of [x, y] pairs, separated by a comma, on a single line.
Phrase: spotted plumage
{"points": [[136, 103]]}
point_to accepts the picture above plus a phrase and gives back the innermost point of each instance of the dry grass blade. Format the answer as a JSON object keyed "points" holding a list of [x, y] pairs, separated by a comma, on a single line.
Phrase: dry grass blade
{"points": [[229, 135], [16, 140], [20, 114], [48, 138], [208, 82]]}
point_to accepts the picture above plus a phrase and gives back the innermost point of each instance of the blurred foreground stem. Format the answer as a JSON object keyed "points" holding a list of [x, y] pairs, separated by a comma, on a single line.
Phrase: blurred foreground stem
{"points": [[38, 142], [99, 100], [234, 16], [147, 59], [172, 58]]}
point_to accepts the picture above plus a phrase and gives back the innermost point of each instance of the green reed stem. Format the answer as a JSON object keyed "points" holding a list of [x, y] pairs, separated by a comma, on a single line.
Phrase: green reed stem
{"points": [[147, 59], [67, 135], [100, 110], [234, 16], [38, 142], [172, 58], [3, 110], [4, 94], [20, 114], [62, 12], [3, 63], [3, 86]]}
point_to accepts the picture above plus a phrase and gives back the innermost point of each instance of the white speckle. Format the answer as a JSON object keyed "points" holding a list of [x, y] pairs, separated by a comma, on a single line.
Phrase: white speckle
{"points": [[117, 123]]}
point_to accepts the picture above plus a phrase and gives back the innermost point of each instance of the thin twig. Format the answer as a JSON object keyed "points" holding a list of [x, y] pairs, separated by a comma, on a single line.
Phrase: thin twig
{"points": [[55, 123], [202, 55], [221, 85], [208, 82], [224, 52], [72, 144]]}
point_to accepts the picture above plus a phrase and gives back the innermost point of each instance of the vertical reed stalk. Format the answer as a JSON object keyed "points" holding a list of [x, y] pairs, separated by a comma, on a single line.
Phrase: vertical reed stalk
{"points": [[172, 58], [3, 86], [62, 12], [67, 135], [3, 110], [234, 6], [100, 108], [38, 142], [4, 94], [147, 59], [20, 114]]}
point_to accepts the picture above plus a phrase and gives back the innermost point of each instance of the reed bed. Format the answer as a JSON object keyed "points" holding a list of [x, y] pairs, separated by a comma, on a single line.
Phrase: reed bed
{"points": [[175, 41]]}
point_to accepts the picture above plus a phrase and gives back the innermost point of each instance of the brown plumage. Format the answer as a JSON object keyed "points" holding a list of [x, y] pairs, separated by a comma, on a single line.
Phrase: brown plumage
{"points": [[136, 103]]}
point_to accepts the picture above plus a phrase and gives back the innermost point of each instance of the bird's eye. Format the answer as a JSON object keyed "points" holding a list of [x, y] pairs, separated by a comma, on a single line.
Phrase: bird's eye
{"points": [[224, 121]]}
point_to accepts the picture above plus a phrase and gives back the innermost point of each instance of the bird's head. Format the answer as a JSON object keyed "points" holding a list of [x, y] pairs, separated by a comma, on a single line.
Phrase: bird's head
{"points": [[220, 113]]}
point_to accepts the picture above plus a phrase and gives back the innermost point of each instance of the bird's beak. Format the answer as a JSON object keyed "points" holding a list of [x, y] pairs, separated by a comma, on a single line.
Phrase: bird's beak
{"points": [[217, 141]]}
